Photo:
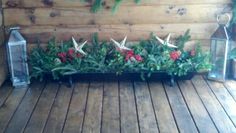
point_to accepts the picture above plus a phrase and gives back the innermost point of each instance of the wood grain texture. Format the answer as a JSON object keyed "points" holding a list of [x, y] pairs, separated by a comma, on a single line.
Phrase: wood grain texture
{"points": [[10, 106], [219, 116], [180, 110], [196, 107], [231, 87], [93, 117], [107, 3], [39, 117], [111, 114], [199, 31], [224, 98], [128, 114], [202, 13], [74, 121], [3, 61], [5, 91], [58, 113], [25, 109], [162, 109], [146, 114]]}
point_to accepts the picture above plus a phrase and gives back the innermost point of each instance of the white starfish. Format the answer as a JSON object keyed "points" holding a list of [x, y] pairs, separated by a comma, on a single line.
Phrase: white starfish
{"points": [[79, 47], [166, 42], [121, 45]]}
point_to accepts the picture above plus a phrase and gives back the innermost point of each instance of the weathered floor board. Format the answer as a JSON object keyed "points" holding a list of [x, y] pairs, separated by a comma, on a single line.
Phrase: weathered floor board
{"points": [[39, 117], [93, 114], [219, 116], [77, 107], [146, 115], [110, 116], [25, 109], [58, 112], [180, 110], [9, 107], [196, 105], [128, 113]]}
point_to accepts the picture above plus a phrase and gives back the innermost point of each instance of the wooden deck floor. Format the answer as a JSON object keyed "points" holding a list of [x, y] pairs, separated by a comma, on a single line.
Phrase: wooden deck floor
{"points": [[190, 106]]}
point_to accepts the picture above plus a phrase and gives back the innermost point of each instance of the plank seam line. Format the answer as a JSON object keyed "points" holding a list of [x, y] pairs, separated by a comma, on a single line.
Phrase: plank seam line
{"points": [[49, 114], [142, 5], [16, 109], [9, 93], [86, 103], [67, 111], [220, 103], [176, 123], [187, 107], [149, 91], [119, 104], [31, 113], [136, 106], [204, 106], [229, 92], [101, 121]]}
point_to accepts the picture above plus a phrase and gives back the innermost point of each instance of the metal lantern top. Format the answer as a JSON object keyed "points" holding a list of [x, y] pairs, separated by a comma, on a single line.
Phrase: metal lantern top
{"points": [[15, 37], [222, 32]]}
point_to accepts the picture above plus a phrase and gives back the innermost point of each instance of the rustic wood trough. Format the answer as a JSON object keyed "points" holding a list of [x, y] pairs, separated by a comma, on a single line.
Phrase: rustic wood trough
{"points": [[127, 76]]}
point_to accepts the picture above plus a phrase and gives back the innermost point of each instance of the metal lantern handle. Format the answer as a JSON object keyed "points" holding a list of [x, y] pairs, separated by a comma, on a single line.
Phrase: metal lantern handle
{"points": [[228, 16]]}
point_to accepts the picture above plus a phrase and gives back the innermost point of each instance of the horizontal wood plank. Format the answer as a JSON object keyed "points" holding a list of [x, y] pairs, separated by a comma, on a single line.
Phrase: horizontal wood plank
{"points": [[107, 3], [201, 31], [135, 15]]}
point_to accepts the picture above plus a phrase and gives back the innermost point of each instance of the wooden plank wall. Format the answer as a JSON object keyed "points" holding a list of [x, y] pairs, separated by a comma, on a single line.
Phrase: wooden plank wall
{"points": [[64, 18]]}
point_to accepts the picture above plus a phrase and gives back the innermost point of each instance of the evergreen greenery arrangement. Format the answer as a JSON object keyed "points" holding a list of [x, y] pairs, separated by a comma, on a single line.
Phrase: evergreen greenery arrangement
{"points": [[147, 56]]}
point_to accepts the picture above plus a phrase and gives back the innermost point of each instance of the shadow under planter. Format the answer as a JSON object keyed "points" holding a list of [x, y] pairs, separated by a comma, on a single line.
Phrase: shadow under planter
{"points": [[155, 76]]}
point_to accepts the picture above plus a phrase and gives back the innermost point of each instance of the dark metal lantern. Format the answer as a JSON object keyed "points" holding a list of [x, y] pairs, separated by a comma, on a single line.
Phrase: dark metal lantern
{"points": [[220, 47], [17, 58]]}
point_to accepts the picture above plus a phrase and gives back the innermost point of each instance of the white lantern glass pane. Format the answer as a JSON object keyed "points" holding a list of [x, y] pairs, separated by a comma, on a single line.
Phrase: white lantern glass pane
{"points": [[218, 51], [19, 64]]}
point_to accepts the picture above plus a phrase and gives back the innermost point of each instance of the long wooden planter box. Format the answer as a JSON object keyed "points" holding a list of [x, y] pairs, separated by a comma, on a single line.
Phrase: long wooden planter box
{"points": [[156, 76]]}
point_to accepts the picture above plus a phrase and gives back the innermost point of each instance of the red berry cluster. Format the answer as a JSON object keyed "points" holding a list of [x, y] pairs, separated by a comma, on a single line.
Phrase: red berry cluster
{"points": [[130, 54], [69, 55], [174, 55]]}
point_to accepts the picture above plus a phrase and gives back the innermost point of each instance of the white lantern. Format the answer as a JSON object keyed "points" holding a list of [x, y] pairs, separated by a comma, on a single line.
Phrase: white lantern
{"points": [[220, 47], [17, 58]]}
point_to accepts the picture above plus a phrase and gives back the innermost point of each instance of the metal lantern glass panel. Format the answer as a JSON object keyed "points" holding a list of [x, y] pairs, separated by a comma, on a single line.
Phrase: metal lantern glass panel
{"points": [[17, 59], [220, 45]]}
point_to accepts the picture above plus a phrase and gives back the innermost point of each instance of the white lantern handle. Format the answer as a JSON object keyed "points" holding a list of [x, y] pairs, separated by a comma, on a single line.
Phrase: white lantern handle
{"points": [[228, 16]]}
